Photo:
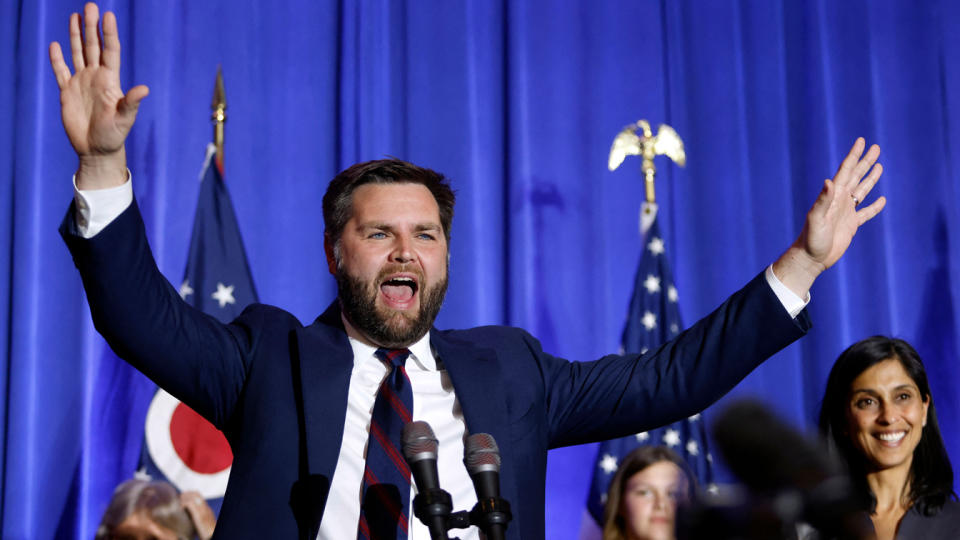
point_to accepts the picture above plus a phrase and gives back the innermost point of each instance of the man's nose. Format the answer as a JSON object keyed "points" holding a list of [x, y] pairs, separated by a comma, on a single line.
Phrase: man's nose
{"points": [[403, 250]]}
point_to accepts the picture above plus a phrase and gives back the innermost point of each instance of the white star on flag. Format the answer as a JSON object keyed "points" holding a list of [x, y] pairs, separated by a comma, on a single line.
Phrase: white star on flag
{"points": [[224, 294], [652, 284], [674, 329], [608, 464], [649, 321], [656, 246], [185, 289], [692, 448], [694, 418], [642, 437], [671, 438], [672, 294]]}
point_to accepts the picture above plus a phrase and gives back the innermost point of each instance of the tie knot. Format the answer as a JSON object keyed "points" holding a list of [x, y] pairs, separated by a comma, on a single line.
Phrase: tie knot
{"points": [[394, 357]]}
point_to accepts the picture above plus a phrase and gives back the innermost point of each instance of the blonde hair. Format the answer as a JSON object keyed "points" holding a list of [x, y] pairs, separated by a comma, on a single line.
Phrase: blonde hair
{"points": [[159, 500]]}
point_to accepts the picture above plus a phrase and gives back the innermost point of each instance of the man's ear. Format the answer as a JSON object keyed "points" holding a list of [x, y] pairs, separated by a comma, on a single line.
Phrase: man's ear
{"points": [[328, 246]]}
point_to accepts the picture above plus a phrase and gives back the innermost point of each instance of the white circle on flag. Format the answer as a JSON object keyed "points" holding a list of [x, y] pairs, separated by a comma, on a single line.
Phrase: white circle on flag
{"points": [[160, 446]]}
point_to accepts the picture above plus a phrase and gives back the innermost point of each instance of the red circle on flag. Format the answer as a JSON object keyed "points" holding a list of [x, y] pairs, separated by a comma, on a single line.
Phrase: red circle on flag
{"points": [[202, 447]]}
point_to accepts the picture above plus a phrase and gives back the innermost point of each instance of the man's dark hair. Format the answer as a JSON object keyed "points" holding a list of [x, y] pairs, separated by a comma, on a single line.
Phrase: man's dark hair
{"points": [[931, 476], [338, 200]]}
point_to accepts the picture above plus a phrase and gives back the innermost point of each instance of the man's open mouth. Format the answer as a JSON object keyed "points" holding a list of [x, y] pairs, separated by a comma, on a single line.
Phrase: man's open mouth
{"points": [[399, 289]]}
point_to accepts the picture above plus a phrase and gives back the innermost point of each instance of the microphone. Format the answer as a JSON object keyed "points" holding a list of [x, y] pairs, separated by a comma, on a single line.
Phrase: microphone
{"points": [[482, 458], [432, 505], [780, 465], [765, 453]]}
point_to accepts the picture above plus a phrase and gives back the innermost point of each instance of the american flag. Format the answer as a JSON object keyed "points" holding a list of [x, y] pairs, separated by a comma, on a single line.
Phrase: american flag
{"points": [[653, 319], [180, 446]]}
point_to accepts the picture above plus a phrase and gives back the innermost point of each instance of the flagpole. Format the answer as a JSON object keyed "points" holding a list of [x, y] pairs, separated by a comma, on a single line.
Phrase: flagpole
{"points": [[219, 116], [653, 318]]}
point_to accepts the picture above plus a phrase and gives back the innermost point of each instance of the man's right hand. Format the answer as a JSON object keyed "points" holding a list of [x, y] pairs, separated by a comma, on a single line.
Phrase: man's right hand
{"points": [[97, 116]]}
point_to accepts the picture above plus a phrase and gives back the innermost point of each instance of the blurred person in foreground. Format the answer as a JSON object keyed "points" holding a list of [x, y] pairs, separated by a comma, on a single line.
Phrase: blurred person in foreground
{"points": [[644, 493], [878, 416], [153, 510]]}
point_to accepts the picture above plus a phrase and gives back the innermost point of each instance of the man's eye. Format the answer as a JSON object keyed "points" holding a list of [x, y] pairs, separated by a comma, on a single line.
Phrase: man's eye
{"points": [[377, 235], [426, 236]]}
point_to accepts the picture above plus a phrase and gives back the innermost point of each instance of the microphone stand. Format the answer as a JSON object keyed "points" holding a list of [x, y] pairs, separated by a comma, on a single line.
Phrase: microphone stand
{"points": [[490, 515], [433, 508]]}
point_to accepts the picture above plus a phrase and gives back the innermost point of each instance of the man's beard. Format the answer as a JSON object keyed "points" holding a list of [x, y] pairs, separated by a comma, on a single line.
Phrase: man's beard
{"points": [[386, 327]]}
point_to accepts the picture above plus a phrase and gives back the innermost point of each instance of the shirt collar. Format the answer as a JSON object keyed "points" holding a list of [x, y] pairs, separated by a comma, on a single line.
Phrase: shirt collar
{"points": [[420, 350]]}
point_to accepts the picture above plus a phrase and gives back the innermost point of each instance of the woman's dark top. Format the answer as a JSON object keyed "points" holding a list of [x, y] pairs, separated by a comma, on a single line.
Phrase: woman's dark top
{"points": [[945, 525]]}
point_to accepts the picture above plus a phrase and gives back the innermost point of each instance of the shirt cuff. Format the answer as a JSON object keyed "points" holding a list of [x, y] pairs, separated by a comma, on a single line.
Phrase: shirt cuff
{"points": [[790, 301], [96, 208]]}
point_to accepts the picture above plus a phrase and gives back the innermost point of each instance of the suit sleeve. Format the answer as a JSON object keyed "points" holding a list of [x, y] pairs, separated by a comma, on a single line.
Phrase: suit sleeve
{"points": [[617, 395], [190, 354]]}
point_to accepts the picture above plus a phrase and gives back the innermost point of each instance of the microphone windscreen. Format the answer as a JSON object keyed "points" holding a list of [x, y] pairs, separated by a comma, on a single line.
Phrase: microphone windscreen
{"points": [[481, 454], [419, 442], [766, 453]]}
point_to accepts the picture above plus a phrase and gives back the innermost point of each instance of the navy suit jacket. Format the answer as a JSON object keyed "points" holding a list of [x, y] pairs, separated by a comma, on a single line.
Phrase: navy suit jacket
{"points": [[278, 389]]}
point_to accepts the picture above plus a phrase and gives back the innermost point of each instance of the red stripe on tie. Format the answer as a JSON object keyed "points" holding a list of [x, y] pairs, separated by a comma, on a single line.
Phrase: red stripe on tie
{"points": [[364, 528], [396, 402], [371, 479], [390, 450]]}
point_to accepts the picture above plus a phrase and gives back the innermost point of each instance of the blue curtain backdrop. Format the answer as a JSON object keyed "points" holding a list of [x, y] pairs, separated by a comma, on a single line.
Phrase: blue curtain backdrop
{"points": [[518, 102]]}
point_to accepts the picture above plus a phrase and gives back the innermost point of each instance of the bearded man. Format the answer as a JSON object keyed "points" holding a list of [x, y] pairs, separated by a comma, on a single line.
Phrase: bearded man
{"points": [[298, 403]]}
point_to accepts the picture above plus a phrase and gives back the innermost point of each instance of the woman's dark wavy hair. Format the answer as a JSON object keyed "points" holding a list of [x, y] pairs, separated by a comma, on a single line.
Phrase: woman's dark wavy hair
{"points": [[931, 476]]}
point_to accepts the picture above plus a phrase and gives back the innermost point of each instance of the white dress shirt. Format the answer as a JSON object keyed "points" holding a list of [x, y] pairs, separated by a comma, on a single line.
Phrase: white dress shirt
{"points": [[434, 401]]}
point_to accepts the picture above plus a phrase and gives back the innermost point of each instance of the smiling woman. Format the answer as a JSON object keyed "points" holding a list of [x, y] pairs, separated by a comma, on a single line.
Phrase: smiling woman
{"points": [[878, 415]]}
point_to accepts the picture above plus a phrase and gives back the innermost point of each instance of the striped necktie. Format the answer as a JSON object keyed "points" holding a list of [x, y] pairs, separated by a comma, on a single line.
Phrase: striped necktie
{"points": [[384, 509]]}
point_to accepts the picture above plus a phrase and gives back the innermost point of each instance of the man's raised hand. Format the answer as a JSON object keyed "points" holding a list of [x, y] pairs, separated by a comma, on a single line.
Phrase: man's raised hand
{"points": [[833, 220], [96, 114]]}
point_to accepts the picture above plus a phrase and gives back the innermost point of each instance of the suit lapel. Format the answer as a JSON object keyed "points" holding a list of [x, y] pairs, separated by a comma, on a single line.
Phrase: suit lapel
{"points": [[324, 360], [478, 382]]}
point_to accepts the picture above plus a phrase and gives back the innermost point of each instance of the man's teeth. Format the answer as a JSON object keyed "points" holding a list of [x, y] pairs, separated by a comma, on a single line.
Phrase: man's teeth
{"points": [[892, 437]]}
